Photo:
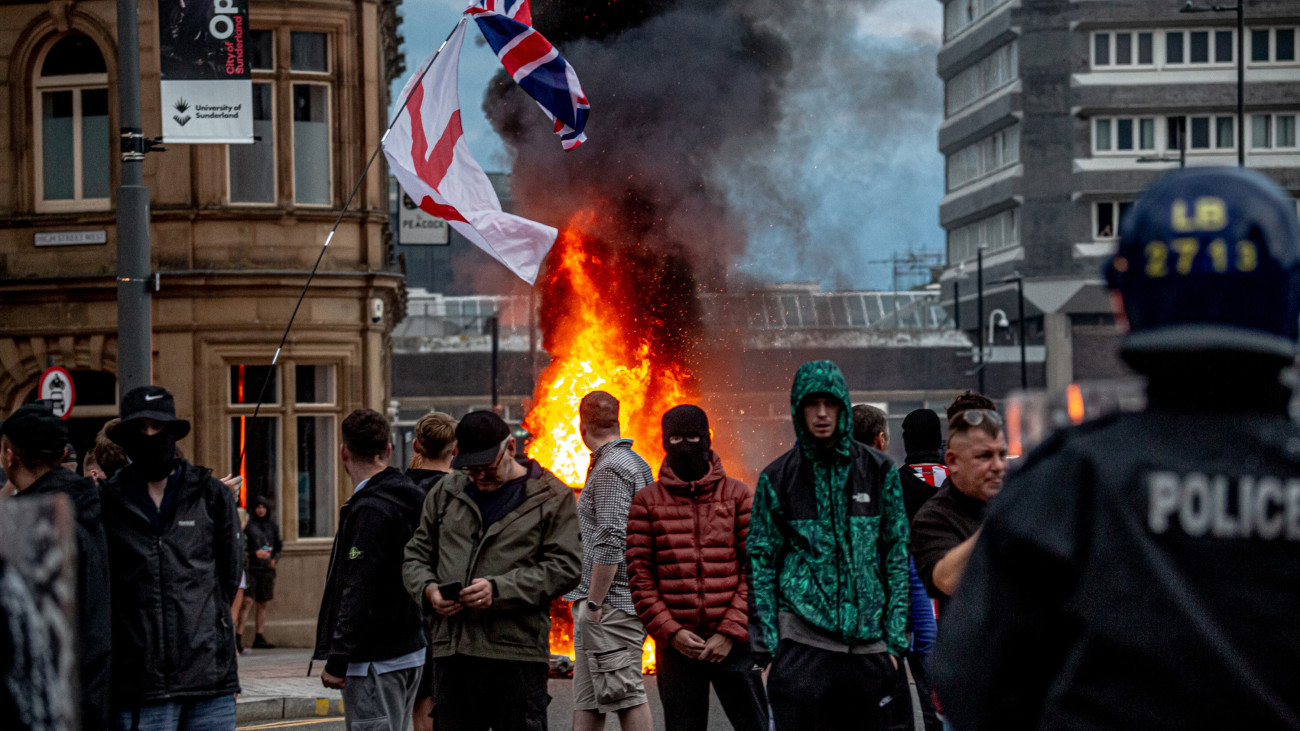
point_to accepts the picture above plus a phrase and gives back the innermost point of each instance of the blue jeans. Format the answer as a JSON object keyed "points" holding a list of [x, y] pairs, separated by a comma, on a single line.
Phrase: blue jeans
{"points": [[210, 714]]}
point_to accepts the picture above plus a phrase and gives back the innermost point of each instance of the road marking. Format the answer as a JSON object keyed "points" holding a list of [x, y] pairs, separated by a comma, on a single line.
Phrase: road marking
{"points": [[286, 724]]}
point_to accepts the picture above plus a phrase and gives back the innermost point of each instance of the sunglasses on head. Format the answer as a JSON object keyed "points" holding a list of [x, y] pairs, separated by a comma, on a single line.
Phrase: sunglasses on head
{"points": [[975, 417]]}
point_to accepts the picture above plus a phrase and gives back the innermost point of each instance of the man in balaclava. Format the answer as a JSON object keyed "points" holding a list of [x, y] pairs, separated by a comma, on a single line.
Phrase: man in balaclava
{"points": [[170, 524], [828, 548], [685, 557]]}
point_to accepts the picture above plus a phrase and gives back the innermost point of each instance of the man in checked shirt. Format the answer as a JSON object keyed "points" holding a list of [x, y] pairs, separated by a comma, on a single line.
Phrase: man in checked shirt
{"points": [[607, 634]]}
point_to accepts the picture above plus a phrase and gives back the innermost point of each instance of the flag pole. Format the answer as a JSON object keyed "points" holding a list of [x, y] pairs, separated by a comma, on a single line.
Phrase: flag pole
{"points": [[261, 395]]}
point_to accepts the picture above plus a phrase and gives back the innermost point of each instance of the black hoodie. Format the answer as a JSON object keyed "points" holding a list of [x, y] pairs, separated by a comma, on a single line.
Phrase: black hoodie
{"points": [[365, 613], [94, 618], [262, 532]]}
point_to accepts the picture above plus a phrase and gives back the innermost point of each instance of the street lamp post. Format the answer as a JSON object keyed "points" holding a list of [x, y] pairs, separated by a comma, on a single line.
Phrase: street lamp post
{"points": [[1020, 319], [1240, 10], [979, 317]]}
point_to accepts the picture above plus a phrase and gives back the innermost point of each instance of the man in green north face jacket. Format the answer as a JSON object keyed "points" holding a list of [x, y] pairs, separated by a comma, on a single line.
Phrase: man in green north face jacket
{"points": [[828, 547]]}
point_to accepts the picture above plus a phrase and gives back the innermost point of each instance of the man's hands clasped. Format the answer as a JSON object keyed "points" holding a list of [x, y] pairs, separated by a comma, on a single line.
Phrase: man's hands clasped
{"points": [[716, 649]]}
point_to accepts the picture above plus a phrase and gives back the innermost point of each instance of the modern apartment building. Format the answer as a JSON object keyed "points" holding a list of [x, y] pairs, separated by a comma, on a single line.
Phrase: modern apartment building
{"points": [[1059, 112]]}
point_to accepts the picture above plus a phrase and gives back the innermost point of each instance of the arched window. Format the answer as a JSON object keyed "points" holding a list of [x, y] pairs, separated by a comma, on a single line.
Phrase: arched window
{"points": [[70, 104]]}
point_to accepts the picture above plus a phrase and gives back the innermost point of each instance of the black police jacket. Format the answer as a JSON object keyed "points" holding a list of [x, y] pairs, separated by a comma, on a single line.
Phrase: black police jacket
{"points": [[94, 619], [172, 589], [1141, 572], [366, 614]]}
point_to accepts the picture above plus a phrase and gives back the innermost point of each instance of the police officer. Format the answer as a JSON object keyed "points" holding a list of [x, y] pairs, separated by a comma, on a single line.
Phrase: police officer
{"points": [[1143, 570]]}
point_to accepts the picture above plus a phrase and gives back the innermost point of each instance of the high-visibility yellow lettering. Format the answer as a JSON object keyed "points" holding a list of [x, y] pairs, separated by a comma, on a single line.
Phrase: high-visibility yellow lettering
{"points": [[1209, 214], [1186, 250], [1157, 259], [1247, 256], [1219, 255]]}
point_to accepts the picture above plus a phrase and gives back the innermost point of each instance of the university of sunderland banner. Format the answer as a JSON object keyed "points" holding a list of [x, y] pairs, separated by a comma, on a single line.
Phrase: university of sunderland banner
{"points": [[207, 91]]}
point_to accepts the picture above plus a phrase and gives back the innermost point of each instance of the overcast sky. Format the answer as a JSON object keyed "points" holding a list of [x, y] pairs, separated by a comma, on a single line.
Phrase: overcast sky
{"points": [[864, 162]]}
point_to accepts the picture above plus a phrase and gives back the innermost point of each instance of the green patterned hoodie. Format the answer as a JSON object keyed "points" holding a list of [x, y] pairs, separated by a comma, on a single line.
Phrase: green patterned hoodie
{"points": [[828, 533]]}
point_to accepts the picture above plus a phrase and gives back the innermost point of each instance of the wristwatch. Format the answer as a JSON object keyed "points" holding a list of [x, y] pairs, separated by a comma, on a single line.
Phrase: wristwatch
{"points": [[592, 606]]}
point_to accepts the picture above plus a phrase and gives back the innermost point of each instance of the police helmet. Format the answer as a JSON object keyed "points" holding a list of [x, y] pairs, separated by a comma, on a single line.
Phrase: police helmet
{"points": [[1209, 259]]}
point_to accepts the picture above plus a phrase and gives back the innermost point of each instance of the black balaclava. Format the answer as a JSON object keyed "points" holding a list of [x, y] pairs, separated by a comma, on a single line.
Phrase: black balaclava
{"points": [[154, 455], [689, 460]]}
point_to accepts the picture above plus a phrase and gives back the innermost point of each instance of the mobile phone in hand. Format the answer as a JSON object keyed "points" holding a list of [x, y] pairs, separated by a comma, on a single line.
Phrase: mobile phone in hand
{"points": [[450, 591]]}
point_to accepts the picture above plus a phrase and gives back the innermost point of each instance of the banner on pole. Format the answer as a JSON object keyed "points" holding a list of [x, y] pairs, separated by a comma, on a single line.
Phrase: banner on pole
{"points": [[207, 90]]}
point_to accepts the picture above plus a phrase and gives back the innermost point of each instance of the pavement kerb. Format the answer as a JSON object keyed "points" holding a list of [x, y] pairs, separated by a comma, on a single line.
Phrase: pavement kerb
{"points": [[281, 707]]}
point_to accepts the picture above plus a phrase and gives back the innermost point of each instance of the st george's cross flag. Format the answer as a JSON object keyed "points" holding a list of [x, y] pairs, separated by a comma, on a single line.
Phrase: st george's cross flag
{"points": [[535, 65], [426, 150]]}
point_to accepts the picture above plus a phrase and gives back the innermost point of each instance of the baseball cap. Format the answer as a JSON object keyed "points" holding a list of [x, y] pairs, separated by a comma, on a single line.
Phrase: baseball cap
{"points": [[34, 429], [479, 437], [150, 402]]}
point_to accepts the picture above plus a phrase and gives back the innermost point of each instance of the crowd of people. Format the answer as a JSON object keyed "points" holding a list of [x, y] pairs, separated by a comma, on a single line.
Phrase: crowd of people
{"points": [[1128, 562]]}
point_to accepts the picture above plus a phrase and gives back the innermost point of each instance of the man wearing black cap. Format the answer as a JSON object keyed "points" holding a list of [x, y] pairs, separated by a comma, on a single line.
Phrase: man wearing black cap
{"points": [[369, 632], [175, 554], [32, 443], [497, 542]]}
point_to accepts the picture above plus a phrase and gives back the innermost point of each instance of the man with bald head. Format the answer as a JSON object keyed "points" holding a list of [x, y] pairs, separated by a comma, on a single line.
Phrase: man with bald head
{"points": [[946, 527]]}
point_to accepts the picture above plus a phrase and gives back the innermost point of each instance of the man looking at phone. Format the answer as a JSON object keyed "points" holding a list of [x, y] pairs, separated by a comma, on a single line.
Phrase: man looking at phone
{"points": [[369, 631], [497, 541]]}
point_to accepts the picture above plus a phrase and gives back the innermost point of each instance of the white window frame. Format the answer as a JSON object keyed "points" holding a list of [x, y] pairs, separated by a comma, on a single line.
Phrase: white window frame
{"points": [[966, 240], [269, 80], [982, 75], [329, 143], [956, 22], [1115, 212], [75, 83], [1111, 45], [1272, 145], [1214, 134], [984, 157], [1137, 148], [1272, 46], [1187, 62]]}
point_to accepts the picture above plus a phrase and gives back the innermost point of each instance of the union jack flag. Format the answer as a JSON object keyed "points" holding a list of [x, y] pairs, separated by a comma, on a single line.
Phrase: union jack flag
{"points": [[535, 65], [520, 10]]}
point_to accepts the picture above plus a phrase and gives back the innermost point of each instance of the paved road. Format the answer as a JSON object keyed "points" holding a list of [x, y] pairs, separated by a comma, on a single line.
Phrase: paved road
{"points": [[560, 713]]}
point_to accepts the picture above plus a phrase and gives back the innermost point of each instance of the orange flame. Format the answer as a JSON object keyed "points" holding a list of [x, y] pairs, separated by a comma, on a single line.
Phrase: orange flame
{"points": [[594, 349], [598, 339]]}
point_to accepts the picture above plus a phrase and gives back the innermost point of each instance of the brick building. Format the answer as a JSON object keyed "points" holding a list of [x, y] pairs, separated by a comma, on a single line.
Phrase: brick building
{"points": [[234, 231]]}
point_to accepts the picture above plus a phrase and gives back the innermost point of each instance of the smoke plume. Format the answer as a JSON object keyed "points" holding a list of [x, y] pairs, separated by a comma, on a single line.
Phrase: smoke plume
{"points": [[717, 125]]}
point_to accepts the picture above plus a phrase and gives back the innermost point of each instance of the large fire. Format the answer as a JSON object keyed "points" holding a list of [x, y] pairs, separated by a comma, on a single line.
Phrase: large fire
{"points": [[601, 336]]}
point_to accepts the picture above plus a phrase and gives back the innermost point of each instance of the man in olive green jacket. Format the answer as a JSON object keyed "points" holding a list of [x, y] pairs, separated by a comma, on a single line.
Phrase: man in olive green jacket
{"points": [[497, 541]]}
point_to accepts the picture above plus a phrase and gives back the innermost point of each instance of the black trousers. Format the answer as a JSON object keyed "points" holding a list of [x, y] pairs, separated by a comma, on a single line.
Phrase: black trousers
{"points": [[475, 694], [684, 690], [818, 690]]}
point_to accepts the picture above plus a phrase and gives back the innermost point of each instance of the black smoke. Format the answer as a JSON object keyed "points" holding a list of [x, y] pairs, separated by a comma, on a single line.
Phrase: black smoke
{"points": [[716, 123]]}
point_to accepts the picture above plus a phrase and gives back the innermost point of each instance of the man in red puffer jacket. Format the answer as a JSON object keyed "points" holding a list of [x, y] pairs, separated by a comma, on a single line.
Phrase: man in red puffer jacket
{"points": [[685, 562]]}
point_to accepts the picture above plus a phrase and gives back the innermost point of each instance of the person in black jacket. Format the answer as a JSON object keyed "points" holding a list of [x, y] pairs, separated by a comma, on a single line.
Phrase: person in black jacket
{"points": [[175, 553], [369, 631], [435, 441], [32, 444], [1140, 571], [262, 539], [923, 468]]}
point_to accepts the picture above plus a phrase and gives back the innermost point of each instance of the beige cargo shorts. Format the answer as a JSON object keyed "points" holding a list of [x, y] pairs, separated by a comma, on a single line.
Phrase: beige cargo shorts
{"points": [[607, 660]]}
